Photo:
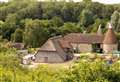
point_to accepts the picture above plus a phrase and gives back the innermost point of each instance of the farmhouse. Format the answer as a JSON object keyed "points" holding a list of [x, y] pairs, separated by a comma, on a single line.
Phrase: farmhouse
{"points": [[59, 49]]}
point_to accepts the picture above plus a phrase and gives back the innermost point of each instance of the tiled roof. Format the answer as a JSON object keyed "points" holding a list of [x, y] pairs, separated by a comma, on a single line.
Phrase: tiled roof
{"points": [[54, 45], [64, 44], [84, 38], [48, 46], [110, 37]]}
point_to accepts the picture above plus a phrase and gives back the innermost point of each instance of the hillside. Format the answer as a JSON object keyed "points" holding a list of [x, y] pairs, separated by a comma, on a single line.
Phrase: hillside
{"points": [[29, 20]]}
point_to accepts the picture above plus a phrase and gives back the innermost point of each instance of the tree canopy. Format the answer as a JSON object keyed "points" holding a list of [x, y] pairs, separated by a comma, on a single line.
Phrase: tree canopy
{"points": [[51, 18]]}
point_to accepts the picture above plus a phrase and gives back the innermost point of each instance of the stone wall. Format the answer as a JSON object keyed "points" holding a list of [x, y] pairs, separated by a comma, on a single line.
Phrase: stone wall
{"points": [[82, 47], [52, 57]]}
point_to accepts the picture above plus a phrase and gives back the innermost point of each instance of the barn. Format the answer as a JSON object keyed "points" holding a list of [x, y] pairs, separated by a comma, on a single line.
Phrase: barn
{"points": [[61, 48], [53, 51]]}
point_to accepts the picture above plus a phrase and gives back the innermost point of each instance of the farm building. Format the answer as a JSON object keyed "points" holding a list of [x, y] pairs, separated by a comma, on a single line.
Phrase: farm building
{"points": [[54, 51], [59, 49]]}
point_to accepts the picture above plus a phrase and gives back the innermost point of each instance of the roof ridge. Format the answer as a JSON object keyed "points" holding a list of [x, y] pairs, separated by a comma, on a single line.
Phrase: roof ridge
{"points": [[61, 52], [56, 37]]}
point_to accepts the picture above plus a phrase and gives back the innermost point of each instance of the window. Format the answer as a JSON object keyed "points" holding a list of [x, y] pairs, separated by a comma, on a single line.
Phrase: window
{"points": [[96, 47]]}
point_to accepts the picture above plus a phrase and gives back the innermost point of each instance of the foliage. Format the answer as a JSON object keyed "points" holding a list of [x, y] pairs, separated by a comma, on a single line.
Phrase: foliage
{"points": [[17, 36], [115, 20], [55, 18], [34, 32], [87, 18], [69, 28], [57, 21], [33, 22], [80, 71]]}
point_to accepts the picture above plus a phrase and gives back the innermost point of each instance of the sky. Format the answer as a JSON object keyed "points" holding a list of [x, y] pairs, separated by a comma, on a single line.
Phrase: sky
{"points": [[108, 1], [101, 1]]}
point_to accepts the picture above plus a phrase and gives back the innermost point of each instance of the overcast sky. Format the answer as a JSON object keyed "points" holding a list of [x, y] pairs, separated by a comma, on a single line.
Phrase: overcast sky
{"points": [[108, 1], [102, 1]]}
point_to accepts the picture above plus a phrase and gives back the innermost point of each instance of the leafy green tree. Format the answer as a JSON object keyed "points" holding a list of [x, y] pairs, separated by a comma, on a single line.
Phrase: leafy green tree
{"points": [[118, 26], [70, 28], [34, 32], [96, 8], [115, 20], [86, 1], [57, 21], [107, 11], [69, 12], [86, 18], [52, 9], [52, 15], [11, 8], [18, 35], [9, 26], [98, 22]]}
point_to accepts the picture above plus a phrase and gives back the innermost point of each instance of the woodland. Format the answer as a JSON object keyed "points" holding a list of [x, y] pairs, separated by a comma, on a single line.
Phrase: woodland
{"points": [[32, 22]]}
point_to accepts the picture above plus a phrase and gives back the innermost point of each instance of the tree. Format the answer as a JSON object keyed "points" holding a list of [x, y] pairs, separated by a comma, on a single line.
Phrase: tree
{"points": [[98, 22], [9, 26], [86, 1], [118, 26], [1, 25], [107, 11], [69, 28], [18, 35], [52, 9], [115, 18], [11, 8], [35, 34], [85, 15], [57, 21], [86, 18], [96, 8], [69, 12]]}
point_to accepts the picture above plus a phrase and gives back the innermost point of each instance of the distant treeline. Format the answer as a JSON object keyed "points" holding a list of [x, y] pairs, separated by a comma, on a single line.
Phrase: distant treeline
{"points": [[33, 22]]}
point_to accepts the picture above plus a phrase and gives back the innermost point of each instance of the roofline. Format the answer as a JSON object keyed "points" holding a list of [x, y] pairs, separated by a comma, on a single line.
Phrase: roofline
{"points": [[48, 50], [55, 37], [85, 34], [110, 43], [87, 42]]}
